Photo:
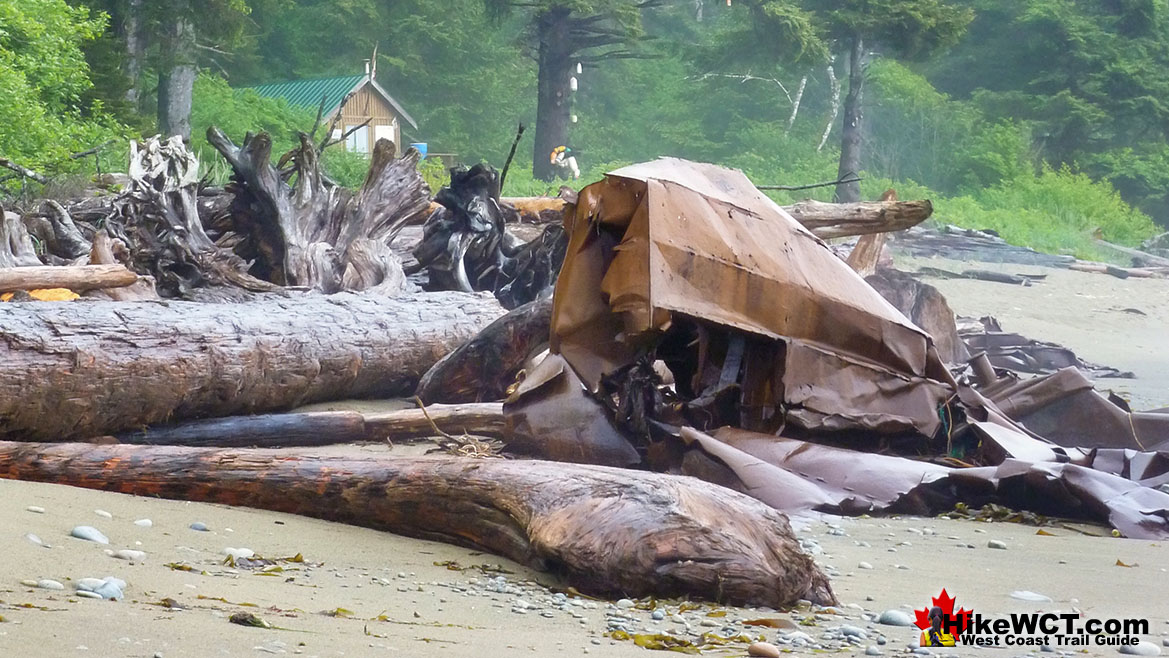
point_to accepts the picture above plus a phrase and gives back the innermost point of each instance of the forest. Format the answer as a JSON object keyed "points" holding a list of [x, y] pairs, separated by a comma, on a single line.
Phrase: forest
{"points": [[1043, 120]]}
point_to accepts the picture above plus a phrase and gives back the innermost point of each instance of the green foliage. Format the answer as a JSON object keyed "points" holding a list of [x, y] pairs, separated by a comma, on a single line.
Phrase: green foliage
{"points": [[43, 76], [346, 168], [239, 111], [1057, 210]]}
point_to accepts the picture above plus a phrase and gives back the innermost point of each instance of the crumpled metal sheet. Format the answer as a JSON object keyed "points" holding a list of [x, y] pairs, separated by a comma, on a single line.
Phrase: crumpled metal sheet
{"points": [[797, 476], [676, 238], [1018, 353]]}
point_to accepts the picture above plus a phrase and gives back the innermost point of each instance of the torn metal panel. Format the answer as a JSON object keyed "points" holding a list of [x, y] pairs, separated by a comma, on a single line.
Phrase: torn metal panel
{"points": [[551, 416], [669, 241]]}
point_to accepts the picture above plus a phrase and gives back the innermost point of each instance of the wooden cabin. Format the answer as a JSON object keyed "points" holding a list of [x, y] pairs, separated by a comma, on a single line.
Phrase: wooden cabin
{"points": [[358, 98]]}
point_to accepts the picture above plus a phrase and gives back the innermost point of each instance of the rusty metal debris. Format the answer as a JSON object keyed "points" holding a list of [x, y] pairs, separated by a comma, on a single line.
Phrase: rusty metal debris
{"points": [[698, 328]]}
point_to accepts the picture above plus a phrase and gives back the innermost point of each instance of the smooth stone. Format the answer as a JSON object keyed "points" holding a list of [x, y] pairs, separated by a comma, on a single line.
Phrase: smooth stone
{"points": [[89, 584], [35, 509], [1165, 642], [922, 651], [89, 533], [109, 591], [625, 604], [864, 565], [797, 635], [144, 523], [130, 554], [1141, 648], [102, 513], [1026, 595], [239, 553], [872, 651], [199, 525], [894, 618], [763, 649], [34, 539], [658, 615], [854, 631], [49, 584], [995, 543], [87, 594]]}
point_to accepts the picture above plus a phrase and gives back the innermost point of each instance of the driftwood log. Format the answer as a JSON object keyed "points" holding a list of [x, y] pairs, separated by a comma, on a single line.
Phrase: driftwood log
{"points": [[313, 233], [319, 428], [484, 367], [604, 530], [73, 371], [77, 278]]}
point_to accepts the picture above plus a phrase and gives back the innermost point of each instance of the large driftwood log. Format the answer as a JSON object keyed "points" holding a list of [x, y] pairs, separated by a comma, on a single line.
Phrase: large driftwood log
{"points": [[74, 277], [605, 530], [319, 428], [314, 233], [484, 367], [826, 220], [839, 220], [72, 371], [16, 247]]}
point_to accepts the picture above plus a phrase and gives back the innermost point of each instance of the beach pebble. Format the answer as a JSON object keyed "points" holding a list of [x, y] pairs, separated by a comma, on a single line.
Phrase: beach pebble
{"points": [[658, 615], [995, 543], [853, 631], [872, 651], [1026, 595], [87, 595], [106, 588], [239, 553], [103, 514], [894, 618], [764, 649], [1141, 648], [625, 604], [35, 509], [144, 523], [864, 565], [34, 539], [199, 525], [45, 583], [89, 533], [130, 554]]}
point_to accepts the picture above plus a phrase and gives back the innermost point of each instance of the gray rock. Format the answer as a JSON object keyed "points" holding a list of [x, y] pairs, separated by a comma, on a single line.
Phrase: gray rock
{"points": [[995, 543], [864, 565], [89, 533], [199, 526], [35, 509], [1141, 648], [854, 631], [763, 650], [34, 539], [103, 514], [625, 604], [872, 651], [87, 595], [1026, 595], [45, 583], [895, 618], [922, 651], [130, 554], [144, 523], [658, 615]]}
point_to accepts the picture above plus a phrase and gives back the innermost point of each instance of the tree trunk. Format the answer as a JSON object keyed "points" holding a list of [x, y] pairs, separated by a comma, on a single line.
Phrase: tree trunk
{"points": [[606, 530], [839, 220], [135, 50], [176, 78], [554, 98], [73, 371], [853, 130], [77, 278]]}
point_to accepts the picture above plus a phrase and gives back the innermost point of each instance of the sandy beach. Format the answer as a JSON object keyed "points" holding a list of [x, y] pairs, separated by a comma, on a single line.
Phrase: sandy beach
{"points": [[360, 592]]}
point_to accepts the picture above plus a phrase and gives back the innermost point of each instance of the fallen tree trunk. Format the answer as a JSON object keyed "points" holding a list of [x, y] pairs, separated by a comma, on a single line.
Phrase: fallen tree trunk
{"points": [[73, 371], [1146, 258], [605, 530], [77, 278], [839, 220], [484, 367], [321, 428]]}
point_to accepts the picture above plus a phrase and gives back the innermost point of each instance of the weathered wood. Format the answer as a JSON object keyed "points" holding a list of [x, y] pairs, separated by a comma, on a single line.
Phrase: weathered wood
{"points": [[1148, 258], [108, 251], [73, 371], [867, 253], [605, 530], [839, 220], [479, 419], [314, 233], [77, 278], [322, 428], [826, 220], [485, 366], [16, 247], [1119, 272]]}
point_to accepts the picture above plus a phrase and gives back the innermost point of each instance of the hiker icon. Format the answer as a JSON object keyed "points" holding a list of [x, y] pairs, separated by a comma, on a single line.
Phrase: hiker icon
{"points": [[935, 636]]}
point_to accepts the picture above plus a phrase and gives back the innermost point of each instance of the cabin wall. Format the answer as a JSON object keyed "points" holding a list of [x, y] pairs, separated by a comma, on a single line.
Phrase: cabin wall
{"points": [[366, 104]]}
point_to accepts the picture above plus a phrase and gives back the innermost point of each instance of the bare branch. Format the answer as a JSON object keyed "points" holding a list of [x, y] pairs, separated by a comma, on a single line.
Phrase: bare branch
{"points": [[23, 171], [747, 77], [846, 179]]}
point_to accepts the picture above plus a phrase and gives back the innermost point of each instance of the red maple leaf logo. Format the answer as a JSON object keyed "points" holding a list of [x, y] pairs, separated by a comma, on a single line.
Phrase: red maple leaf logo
{"points": [[946, 603]]}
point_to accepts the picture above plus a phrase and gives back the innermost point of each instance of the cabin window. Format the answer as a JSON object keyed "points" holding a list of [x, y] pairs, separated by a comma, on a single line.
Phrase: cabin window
{"points": [[384, 132], [358, 141]]}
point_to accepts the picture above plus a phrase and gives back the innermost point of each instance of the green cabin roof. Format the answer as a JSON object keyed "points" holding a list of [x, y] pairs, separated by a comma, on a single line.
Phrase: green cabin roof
{"points": [[308, 93]]}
